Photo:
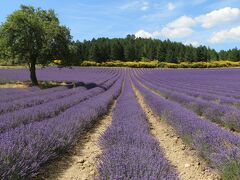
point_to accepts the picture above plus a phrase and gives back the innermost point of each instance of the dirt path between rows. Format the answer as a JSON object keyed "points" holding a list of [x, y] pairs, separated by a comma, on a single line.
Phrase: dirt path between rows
{"points": [[80, 163], [188, 165]]}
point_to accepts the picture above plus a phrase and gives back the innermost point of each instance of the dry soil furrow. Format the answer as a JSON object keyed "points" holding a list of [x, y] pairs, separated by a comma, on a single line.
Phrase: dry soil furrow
{"points": [[80, 163], [188, 165]]}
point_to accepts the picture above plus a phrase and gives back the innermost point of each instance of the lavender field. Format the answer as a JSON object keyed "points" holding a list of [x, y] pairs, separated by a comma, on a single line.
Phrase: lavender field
{"points": [[121, 123]]}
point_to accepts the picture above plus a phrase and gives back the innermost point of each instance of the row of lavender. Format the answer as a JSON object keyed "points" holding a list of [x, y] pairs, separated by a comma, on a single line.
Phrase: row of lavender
{"points": [[79, 75], [13, 91], [219, 146], [36, 129], [43, 96], [48, 110], [206, 80], [130, 152], [48, 103], [191, 83], [226, 116], [32, 141], [198, 93], [83, 74]]}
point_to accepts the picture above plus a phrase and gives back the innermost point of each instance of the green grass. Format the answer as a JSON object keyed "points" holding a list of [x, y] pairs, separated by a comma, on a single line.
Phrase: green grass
{"points": [[25, 84], [145, 64], [12, 67], [230, 170]]}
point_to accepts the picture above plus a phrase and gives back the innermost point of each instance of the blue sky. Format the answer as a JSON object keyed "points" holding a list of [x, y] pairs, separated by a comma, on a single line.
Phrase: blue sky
{"points": [[215, 23]]}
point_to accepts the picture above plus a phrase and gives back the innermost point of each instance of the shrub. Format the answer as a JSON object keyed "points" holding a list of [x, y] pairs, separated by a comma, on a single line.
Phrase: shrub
{"points": [[157, 64]]}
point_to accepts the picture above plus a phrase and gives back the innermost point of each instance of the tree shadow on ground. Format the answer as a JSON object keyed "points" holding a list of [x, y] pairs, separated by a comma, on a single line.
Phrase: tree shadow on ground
{"points": [[86, 85]]}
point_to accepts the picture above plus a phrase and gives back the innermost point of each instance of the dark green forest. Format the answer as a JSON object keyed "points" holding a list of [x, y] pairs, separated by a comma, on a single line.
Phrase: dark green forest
{"points": [[139, 49]]}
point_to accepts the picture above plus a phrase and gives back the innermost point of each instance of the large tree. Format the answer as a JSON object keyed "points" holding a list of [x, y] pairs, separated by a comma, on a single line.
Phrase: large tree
{"points": [[34, 36]]}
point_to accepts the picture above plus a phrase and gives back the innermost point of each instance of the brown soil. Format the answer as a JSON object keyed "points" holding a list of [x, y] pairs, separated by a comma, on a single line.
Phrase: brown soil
{"points": [[186, 161], [80, 163]]}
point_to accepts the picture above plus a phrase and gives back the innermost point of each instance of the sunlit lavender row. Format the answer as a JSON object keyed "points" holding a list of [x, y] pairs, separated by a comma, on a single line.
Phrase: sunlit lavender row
{"points": [[25, 148], [130, 151], [37, 124], [219, 146]]}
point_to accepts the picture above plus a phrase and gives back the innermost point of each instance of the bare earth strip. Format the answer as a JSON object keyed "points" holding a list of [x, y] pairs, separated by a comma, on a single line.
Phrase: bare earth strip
{"points": [[188, 165], [80, 164]]}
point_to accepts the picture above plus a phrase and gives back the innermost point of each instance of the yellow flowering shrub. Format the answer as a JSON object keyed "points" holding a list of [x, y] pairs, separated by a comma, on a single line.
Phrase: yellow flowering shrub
{"points": [[56, 61], [156, 64]]}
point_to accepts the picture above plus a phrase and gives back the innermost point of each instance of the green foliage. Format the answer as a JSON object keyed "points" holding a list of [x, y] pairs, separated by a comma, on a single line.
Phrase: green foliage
{"points": [[230, 170], [141, 64], [117, 51], [76, 52], [34, 36], [140, 49], [232, 54], [156, 64]]}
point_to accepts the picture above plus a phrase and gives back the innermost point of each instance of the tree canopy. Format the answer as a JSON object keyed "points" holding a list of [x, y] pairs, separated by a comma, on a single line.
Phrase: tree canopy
{"points": [[34, 36], [137, 49]]}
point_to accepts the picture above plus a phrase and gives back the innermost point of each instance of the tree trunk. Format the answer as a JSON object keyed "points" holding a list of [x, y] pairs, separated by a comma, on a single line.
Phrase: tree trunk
{"points": [[33, 73]]}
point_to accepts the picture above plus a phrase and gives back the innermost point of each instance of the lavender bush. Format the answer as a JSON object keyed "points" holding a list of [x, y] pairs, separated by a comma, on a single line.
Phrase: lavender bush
{"points": [[37, 100], [25, 94], [224, 115], [97, 76], [220, 147], [185, 77], [25, 148], [38, 125], [44, 97], [130, 151], [47, 110], [86, 74], [207, 81]]}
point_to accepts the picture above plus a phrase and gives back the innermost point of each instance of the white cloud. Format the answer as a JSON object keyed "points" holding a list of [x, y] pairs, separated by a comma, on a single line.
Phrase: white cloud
{"points": [[171, 6], [220, 16], [193, 43], [145, 6], [143, 34], [166, 32], [183, 26], [179, 32], [136, 5], [179, 28], [183, 21], [226, 35]]}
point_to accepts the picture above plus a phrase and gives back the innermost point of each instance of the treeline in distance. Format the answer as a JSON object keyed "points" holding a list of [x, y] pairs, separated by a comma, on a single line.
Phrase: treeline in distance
{"points": [[138, 49]]}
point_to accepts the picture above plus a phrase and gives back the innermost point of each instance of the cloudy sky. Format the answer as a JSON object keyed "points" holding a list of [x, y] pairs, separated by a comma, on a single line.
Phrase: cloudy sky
{"points": [[215, 23]]}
